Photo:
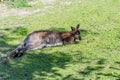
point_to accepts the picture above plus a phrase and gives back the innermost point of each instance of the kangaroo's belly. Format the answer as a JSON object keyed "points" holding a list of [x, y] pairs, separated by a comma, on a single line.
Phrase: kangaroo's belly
{"points": [[46, 45], [55, 44]]}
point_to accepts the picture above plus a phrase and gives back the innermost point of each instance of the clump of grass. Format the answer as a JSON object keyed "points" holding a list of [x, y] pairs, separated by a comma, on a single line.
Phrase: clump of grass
{"points": [[18, 3], [22, 31]]}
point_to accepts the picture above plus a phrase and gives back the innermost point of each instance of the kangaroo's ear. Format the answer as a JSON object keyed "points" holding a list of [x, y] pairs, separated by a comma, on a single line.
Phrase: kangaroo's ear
{"points": [[72, 28], [78, 26]]}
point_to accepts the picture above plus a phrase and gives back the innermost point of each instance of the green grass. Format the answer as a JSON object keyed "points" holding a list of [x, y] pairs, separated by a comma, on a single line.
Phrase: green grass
{"points": [[17, 3], [96, 57]]}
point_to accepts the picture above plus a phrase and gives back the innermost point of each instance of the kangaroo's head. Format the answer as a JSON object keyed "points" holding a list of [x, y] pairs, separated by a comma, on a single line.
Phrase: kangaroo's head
{"points": [[76, 32]]}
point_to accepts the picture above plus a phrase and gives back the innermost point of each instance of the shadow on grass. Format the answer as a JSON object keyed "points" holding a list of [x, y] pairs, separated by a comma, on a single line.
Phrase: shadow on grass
{"points": [[98, 65], [5, 38], [80, 57], [36, 66], [69, 77], [4, 46], [110, 74], [115, 68], [90, 69], [117, 62]]}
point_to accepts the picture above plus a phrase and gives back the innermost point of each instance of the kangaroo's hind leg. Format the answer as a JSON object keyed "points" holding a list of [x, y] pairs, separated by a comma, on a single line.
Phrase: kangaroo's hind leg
{"points": [[31, 46]]}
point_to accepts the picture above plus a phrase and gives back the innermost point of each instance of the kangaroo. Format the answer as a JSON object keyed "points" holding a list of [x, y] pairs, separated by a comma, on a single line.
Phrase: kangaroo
{"points": [[44, 38]]}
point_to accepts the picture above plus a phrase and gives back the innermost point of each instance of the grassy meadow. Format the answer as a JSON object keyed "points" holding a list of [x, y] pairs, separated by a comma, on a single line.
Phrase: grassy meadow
{"points": [[95, 57]]}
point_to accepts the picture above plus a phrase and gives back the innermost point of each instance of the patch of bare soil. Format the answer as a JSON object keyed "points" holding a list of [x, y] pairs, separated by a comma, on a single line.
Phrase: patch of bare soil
{"points": [[5, 12]]}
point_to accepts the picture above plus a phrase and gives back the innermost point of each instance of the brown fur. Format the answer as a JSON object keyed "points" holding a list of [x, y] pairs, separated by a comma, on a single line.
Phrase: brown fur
{"points": [[44, 38]]}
